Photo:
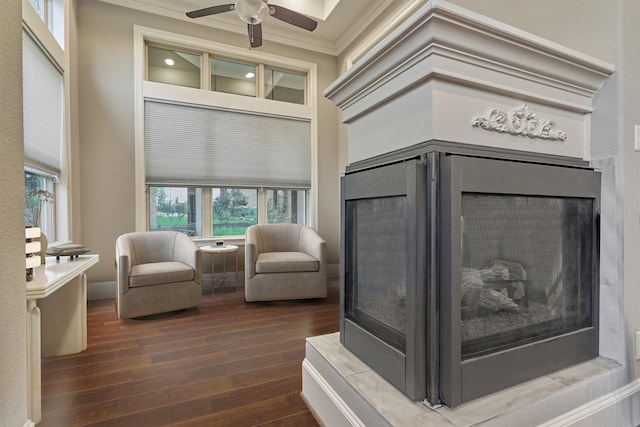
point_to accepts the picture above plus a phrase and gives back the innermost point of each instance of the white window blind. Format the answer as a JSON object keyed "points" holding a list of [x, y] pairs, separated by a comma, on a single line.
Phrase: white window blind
{"points": [[43, 106], [208, 146]]}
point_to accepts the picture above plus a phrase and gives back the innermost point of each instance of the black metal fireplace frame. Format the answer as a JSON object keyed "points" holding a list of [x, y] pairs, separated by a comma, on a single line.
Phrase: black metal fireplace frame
{"points": [[433, 175]]}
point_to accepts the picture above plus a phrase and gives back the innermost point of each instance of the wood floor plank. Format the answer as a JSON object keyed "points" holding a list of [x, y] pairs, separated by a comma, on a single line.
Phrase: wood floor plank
{"points": [[226, 363]]}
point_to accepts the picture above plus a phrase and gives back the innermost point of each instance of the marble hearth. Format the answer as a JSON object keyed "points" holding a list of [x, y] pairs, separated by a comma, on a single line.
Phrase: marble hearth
{"points": [[342, 391]]}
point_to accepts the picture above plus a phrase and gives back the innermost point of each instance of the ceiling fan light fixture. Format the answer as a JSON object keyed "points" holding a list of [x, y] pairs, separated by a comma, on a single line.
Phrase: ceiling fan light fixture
{"points": [[252, 11]]}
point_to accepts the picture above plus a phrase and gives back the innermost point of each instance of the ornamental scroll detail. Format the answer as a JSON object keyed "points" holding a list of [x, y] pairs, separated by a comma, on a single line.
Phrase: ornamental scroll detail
{"points": [[520, 122]]}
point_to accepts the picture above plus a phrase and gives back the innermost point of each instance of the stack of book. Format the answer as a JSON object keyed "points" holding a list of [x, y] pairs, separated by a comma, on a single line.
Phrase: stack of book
{"points": [[32, 247], [67, 249]]}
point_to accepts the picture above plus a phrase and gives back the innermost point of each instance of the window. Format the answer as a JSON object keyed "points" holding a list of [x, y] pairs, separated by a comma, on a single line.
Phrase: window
{"points": [[182, 68], [43, 117], [233, 77], [52, 13], [234, 210], [173, 67], [38, 6], [176, 208], [39, 198], [286, 206], [220, 158], [283, 86]]}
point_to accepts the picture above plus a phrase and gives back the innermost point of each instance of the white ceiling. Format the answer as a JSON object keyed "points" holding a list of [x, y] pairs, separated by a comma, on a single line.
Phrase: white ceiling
{"points": [[339, 21]]}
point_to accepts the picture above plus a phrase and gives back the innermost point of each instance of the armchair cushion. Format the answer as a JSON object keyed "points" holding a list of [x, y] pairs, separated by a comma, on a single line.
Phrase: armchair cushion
{"points": [[286, 262], [158, 273]]}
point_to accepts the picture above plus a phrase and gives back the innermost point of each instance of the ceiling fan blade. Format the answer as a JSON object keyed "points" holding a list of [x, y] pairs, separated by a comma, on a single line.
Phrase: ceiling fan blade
{"points": [[255, 34], [214, 10], [291, 17]]}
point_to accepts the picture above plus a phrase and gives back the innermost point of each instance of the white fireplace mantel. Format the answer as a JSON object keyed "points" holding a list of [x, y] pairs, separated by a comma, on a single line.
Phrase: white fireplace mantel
{"points": [[445, 67]]}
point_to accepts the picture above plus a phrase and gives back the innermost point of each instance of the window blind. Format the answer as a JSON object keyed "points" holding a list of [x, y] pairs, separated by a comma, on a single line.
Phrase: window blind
{"points": [[43, 107], [188, 144]]}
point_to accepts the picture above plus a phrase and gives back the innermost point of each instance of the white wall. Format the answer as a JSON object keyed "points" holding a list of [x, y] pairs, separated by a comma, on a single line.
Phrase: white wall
{"points": [[13, 350], [106, 121]]}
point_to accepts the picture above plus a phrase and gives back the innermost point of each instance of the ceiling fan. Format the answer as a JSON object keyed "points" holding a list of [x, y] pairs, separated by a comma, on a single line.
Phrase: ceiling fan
{"points": [[253, 13]]}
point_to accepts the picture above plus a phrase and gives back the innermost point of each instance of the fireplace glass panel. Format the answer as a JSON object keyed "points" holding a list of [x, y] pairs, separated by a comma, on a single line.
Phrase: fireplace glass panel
{"points": [[376, 267], [522, 261]]}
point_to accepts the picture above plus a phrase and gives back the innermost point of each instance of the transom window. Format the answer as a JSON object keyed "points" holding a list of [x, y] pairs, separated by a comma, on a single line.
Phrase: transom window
{"points": [[284, 86], [175, 67], [233, 77], [52, 14], [182, 67]]}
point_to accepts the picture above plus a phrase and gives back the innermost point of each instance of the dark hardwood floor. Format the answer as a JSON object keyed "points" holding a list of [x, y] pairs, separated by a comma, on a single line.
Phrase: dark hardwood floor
{"points": [[227, 363]]}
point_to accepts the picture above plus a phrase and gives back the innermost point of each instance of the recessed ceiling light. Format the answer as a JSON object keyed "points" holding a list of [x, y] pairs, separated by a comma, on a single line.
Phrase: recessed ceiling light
{"points": [[249, 75], [169, 61]]}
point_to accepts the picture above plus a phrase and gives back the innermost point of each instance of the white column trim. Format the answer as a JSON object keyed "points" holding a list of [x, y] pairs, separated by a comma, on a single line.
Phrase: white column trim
{"points": [[311, 374]]}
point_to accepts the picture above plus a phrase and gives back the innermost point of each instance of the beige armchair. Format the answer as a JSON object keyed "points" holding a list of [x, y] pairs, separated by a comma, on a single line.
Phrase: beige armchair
{"points": [[157, 272], [283, 262]]}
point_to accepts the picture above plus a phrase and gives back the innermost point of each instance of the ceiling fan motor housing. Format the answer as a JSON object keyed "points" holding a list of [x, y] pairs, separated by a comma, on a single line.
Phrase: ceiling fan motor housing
{"points": [[252, 11]]}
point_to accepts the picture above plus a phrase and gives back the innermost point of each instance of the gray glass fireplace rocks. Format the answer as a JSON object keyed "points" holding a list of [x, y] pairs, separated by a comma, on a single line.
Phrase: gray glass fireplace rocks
{"points": [[466, 274]]}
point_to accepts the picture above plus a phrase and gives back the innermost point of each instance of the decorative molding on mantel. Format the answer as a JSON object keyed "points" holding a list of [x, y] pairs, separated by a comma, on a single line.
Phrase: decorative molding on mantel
{"points": [[521, 121], [444, 42]]}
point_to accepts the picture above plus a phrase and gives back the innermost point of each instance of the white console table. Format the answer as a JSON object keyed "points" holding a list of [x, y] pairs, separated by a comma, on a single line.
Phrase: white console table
{"points": [[56, 318]]}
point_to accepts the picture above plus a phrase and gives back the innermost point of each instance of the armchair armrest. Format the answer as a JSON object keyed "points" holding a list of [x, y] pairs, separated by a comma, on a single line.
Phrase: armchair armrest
{"points": [[198, 269], [311, 243], [184, 250], [187, 252], [124, 270], [250, 258]]}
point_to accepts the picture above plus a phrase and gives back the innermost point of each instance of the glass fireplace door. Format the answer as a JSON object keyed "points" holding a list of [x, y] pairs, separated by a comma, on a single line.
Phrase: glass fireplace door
{"points": [[376, 299], [522, 279], [383, 281], [518, 272]]}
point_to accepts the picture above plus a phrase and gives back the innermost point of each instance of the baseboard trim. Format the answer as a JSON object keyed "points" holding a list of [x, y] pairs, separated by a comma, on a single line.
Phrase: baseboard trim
{"points": [[101, 290], [593, 407], [333, 270]]}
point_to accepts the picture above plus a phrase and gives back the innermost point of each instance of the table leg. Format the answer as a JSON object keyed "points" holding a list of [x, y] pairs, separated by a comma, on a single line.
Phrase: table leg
{"points": [[224, 269], [34, 360], [213, 276], [237, 271]]}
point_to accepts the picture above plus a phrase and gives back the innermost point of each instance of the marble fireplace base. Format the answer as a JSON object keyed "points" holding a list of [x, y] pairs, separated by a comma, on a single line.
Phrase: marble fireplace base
{"points": [[340, 390]]}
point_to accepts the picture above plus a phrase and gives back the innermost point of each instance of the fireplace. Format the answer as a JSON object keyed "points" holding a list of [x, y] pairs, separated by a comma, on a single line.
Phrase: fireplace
{"points": [[469, 209], [466, 272]]}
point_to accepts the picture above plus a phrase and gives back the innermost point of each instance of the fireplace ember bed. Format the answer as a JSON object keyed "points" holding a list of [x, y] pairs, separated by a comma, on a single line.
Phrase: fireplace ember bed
{"points": [[469, 270]]}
